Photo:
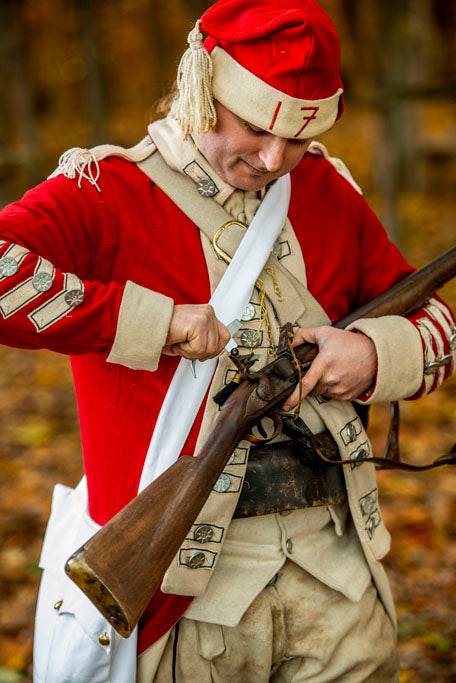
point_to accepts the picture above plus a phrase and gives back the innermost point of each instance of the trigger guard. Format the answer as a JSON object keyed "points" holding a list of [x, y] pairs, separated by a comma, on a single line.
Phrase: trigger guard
{"points": [[277, 421]]}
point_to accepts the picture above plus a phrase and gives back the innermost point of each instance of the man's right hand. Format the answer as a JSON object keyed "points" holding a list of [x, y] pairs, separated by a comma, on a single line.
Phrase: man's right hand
{"points": [[195, 333]]}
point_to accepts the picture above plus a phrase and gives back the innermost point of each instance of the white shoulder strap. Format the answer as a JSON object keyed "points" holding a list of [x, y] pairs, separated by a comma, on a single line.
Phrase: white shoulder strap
{"points": [[186, 393], [203, 211]]}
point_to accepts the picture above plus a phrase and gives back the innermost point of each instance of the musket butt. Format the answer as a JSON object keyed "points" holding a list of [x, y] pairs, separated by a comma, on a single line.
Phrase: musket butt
{"points": [[78, 570]]}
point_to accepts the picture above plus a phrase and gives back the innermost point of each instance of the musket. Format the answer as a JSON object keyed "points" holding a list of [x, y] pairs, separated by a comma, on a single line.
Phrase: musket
{"points": [[123, 564]]}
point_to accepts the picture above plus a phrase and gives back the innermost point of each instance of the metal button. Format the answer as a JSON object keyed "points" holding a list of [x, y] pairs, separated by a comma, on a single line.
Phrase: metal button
{"points": [[351, 431], [440, 362], [8, 266], [58, 604], [372, 524], [250, 337], [74, 297], [42, 282], [231, 459], [277, 250], [206, 187], [203, 533], [222, 484], [104, 639], [361, 454], [249, 312], [289, 545], [196, 560], [367, 505], [452, 339]]}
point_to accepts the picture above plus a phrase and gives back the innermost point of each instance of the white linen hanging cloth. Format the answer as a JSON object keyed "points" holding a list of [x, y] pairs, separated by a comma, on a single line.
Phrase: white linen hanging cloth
{"points": [[186, 393]]}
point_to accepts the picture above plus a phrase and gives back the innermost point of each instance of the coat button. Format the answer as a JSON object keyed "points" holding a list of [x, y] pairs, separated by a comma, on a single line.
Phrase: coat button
{"points": [[8, 266], [206, 187], [351, 432], [249, 312], [277, 250], [42, 282], [289, 545], [203, 533], [452, 339], [367, 505], [74, 297], [104, 640], [222, 484], [196, 560], [58, 604]]}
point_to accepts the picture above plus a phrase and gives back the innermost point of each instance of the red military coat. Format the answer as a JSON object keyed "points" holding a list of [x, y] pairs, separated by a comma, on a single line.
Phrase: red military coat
{"points": [[132, 231]]}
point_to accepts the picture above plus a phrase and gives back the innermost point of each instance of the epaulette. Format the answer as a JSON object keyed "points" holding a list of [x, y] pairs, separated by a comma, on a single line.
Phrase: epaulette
{"points": [[81, 162]]}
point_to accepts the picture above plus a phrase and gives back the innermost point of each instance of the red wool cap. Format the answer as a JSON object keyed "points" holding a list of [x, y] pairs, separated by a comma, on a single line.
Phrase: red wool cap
{"points": [[276, 64]]}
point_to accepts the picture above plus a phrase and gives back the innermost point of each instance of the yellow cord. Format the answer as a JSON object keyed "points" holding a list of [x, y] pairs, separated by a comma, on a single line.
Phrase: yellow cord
{"points": [[277, 291], [264, 316]]}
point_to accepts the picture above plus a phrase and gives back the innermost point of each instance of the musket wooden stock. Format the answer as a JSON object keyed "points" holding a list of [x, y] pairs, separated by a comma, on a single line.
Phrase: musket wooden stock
{"points": [[120, 567]]}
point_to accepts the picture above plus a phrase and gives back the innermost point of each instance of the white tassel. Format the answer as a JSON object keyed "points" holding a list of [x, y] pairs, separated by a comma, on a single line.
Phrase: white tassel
{"points": [[194, 106], [78, 160]]}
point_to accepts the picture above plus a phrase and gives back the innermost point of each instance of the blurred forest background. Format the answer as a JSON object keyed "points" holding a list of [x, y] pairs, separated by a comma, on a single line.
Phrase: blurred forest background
{"points": [[82, 72]]}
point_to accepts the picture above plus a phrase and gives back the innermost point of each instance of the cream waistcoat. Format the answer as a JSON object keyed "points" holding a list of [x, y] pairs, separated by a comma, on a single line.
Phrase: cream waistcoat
{"points": [[254, 549]]}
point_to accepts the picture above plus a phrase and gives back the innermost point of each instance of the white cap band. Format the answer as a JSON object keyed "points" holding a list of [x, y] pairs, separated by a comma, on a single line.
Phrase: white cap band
{"points": [[255, 101]]}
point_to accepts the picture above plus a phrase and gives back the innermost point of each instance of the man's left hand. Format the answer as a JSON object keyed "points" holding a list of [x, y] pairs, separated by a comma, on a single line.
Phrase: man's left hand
{"points": [[344, 368]]}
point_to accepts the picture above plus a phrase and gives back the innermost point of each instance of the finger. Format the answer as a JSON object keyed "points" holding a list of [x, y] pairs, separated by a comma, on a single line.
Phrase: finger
{"points": [[224, 335], [171, 350], [304, 334], [212, 341], [194, 348], [219, 340], [309, 382]]}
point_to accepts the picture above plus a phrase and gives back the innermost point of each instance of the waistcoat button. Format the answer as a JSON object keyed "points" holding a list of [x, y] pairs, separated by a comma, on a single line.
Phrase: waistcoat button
{"points": [[367, 505], [196, 560], [222, 484], [203, 533], [250, 337], [249, 312]]}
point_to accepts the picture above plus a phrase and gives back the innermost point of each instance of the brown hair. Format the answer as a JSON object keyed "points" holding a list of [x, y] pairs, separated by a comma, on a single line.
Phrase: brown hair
{"points": [[164, 104]]}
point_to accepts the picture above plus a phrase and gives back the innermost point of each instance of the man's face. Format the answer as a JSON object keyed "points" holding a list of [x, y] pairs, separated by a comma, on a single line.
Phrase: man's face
{"points": [[246, 156]]}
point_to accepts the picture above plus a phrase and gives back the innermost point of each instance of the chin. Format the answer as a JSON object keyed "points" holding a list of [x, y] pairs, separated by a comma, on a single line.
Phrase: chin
{"points": [[249, 184]]}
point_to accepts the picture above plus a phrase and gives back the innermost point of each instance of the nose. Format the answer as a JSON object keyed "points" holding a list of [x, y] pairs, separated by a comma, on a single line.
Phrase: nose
{"points": [[272, 152]]}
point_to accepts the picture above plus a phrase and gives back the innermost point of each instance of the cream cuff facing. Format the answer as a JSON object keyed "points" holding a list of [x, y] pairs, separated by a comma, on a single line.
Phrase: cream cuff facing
{"points": [[142, 328], [400, 362]]}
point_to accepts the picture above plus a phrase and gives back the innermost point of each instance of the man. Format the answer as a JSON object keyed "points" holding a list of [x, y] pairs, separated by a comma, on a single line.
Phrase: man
{"points": [[100, 263]]}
